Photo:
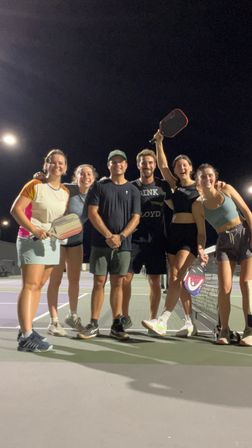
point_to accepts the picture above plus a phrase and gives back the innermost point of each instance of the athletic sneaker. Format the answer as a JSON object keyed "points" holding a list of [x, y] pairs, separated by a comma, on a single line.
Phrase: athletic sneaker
{"points": [[223, 337], [43, 338], [188, 329], [117, 331], [152, 334], [246, 340], [88, 332], [74, 322], [55, 329], [33, 344], [158, 326], [126, 322]]}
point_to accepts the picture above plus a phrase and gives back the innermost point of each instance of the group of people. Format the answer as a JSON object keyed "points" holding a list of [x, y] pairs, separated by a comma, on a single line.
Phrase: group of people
{"points": [[128, 232]]}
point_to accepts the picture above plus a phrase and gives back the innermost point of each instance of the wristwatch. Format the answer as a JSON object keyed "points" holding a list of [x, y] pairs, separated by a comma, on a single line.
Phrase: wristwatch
{"points": [[122, 237]]}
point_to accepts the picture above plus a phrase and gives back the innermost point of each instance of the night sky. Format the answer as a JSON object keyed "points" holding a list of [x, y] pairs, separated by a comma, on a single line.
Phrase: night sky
{"points": [[88, 76]]}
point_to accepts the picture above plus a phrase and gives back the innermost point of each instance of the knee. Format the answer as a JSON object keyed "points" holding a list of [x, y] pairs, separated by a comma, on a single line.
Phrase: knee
{"points": [[175, 278], [99, 283], [225, 290], [33, 286], [127, 280]]}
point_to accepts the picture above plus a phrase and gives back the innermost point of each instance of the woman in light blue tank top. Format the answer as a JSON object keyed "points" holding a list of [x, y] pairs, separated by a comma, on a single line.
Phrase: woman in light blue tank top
{"points": [[223, 210], [71, 255]]}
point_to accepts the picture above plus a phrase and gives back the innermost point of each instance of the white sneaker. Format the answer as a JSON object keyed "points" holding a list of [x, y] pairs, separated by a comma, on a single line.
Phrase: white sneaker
{"points": [[158, 326], [224, 337], [55, 329], [152, 333], [246, 340], [188, 329]]}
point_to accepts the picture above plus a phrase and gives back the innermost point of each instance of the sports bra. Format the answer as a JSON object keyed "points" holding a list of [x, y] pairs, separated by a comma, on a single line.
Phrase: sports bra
{"points": [[183, 198], [223, 214]]}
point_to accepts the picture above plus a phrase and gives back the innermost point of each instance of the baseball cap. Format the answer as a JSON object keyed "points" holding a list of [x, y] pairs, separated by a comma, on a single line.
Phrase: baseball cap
{"points": [[117, 152]]}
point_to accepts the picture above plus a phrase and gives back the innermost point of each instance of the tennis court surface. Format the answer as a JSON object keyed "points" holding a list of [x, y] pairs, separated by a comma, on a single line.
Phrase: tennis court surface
{"points": [[147, 392]]}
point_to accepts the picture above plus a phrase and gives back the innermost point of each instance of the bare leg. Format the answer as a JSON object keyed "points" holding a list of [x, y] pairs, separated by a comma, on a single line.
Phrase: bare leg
{"points": [[32, 276], [74, 256], [225, 276], [245, 285], [47, 272], [126, 293], [186, 301], [155, 294], [97, 297], [54, 284], [116, 295], [178, 265]]}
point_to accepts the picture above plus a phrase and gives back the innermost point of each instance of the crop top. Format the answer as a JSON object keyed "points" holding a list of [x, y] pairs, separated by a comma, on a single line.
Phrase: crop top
{"points": [[223, 214], [183, 198]]}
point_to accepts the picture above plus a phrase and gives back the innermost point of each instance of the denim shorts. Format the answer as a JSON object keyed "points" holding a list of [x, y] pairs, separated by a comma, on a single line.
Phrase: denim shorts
{"points": [[234, 244]]}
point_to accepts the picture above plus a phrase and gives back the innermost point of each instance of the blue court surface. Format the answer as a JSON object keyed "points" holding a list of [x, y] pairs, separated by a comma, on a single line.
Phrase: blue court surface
{"points": [[147, 392]]}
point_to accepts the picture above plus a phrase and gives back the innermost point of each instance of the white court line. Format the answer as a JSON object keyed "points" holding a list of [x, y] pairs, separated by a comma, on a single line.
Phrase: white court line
{"points": [[15, 303], [61, 306]]}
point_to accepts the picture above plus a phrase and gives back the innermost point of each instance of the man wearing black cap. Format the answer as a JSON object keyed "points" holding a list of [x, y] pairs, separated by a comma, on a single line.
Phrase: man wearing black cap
{"points": [[114, 210]]}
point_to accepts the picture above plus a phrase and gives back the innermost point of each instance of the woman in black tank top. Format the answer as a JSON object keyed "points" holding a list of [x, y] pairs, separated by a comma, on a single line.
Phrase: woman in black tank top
{"points": [[186, 236]]}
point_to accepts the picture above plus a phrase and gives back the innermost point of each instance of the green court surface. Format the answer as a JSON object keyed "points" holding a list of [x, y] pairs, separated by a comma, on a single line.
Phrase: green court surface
{"points": [[140, 348]]}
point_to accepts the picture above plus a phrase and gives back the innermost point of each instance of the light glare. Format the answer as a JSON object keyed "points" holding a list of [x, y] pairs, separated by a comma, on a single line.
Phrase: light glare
{"points": [[9, 139]]}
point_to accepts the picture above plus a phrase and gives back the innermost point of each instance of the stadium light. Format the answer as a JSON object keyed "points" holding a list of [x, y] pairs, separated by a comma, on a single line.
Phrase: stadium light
{"points": [[8, 139], [250, 189], [5, 223]]}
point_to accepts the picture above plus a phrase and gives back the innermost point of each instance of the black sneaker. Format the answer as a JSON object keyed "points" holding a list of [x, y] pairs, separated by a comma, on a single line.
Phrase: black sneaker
{"points": [[88, 332], [117, 331], [43, 338], [33, 344], [126, 322]]}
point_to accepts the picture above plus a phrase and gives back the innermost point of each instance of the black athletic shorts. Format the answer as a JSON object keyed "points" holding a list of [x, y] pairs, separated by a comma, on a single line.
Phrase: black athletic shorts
{"points": [[151, 255], [182, 237]]}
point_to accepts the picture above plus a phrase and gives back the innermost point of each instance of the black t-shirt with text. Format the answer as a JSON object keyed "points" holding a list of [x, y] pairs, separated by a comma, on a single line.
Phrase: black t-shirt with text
{"points": [[153, 197]]}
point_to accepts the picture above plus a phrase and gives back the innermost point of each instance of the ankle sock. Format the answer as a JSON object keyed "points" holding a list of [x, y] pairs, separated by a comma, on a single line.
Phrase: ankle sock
{"points": [[26, 334], [165, 316], [94, 322]]}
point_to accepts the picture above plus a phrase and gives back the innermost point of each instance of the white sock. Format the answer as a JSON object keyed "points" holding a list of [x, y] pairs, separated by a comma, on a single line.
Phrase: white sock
{"points": [[188, 318], [165, 316], [54, 320], [26, 334]]}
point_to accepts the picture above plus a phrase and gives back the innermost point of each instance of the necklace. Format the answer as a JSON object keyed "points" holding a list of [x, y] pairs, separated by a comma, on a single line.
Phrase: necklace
{"points": [[53, 188]]}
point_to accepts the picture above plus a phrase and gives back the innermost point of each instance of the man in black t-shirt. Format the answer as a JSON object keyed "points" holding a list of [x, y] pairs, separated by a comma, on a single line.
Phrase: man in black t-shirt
{"points": [[148, 241], [114, 211]]}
